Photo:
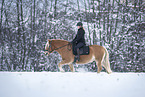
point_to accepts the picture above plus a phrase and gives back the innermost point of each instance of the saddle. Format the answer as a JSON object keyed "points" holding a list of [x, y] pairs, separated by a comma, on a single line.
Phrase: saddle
{"points": [[83, 50]]}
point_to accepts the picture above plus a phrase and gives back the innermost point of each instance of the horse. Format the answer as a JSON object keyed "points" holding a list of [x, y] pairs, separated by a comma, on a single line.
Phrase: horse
{"points": [[97, 53]]}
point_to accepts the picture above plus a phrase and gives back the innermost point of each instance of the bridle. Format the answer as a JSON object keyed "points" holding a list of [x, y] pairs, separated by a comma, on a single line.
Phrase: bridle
{"points": [[50, 46]]}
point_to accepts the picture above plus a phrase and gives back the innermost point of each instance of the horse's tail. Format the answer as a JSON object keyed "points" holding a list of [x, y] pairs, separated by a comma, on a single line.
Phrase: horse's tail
{"points": [[106, 62]]}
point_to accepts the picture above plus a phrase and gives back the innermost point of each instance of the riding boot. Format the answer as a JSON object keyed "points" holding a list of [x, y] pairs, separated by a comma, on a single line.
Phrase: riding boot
{"points": [[78, 55]]}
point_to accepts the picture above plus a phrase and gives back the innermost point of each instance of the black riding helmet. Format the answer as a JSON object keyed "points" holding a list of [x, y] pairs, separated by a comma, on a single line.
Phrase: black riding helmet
{"points": [[79, 24]]}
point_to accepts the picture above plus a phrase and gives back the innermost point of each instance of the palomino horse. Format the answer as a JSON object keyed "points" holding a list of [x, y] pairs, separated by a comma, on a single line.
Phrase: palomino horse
{"points": [[64, 48]]}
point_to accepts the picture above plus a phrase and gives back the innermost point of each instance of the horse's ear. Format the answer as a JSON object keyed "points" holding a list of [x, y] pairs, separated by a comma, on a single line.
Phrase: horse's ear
{"points": [[49, 40]]}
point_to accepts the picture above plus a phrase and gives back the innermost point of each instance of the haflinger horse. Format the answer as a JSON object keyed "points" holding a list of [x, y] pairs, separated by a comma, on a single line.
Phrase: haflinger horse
{"points": [[97, 53]]}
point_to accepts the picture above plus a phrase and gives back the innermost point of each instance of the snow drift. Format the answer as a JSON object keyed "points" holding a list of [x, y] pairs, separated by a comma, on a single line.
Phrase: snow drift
{"points": [[78, 84]]}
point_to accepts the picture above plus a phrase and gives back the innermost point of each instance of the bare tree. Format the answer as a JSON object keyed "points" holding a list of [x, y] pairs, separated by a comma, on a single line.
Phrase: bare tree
{"points": [[87, 21], [1, 15], [108, 23], [55, 11], [23, 44], [34, 15], [94, 16], [51, 5], [18, 17], [78, 5], [1, 21], [22, 20]]}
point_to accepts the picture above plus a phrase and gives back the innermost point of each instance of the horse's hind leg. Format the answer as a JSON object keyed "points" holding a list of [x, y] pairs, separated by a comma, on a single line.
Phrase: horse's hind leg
{"points": [[99, 66], [71, 67]]}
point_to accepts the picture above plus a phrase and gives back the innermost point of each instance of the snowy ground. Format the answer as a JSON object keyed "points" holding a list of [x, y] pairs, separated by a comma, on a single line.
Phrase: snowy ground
{"points": [[78, 84]]}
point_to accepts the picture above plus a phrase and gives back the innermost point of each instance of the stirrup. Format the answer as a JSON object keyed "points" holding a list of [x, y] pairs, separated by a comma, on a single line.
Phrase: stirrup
{"points": [[76, 59]]}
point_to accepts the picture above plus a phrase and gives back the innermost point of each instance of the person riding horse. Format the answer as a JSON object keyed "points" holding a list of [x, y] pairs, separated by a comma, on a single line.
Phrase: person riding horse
{"points": [[97, 53], [79, 40]]}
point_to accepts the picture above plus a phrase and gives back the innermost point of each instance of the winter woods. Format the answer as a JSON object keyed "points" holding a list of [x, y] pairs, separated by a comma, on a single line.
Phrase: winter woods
{"points": [[25, 26]]}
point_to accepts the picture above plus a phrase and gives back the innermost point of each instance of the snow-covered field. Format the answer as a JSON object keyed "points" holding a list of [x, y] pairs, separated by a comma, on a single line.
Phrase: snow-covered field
{"points": [[78, 84]]}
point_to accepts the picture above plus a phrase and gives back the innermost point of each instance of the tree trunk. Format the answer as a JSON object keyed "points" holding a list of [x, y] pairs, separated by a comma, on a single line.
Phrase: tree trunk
{"points": [[78, 5], [65, 9], [108, 23], [135, 3], [1, 20], [23, 44], [99, 16], [19, 33], [112, 22], [66, 6], [31, 15], [34, 15], [94, 16], [87, 21], [55, 13], [1, 24], [51, 5], [46, 4], [18, 19], [104, 22], [22, 15]]}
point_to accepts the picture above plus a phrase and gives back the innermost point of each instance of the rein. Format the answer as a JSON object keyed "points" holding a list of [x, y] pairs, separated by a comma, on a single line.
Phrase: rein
{"points": [[57, 48]]}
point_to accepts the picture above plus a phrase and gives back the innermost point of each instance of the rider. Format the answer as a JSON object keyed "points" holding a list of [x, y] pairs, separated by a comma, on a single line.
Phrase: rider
{"points": [[79, 40]]}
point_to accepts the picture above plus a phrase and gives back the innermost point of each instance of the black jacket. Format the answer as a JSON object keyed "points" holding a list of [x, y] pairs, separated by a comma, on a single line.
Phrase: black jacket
{"points": [[80, 37]]}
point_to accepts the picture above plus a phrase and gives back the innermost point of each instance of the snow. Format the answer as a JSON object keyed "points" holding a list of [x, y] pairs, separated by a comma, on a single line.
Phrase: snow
{"points": [[78, 84]]}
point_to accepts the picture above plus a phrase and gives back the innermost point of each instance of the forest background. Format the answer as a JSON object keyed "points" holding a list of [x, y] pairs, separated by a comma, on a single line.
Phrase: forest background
{"points": [[25, 26]]}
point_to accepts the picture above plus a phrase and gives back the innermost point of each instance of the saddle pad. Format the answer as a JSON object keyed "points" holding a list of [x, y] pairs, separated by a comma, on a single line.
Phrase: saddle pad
{"points": [[83, 50]]}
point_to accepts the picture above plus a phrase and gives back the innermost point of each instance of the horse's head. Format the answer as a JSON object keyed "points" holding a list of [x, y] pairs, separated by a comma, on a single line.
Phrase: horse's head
{"points": [[47, 47]]}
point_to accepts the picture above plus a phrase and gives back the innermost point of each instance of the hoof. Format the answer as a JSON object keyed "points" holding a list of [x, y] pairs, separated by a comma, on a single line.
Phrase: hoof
{"points": [[62, 71], [98, 72], [109, 72]]}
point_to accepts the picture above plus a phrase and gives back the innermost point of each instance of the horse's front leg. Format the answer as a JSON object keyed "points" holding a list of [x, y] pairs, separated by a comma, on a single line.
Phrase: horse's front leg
{"points": [[71, 67], [60, 66]]}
